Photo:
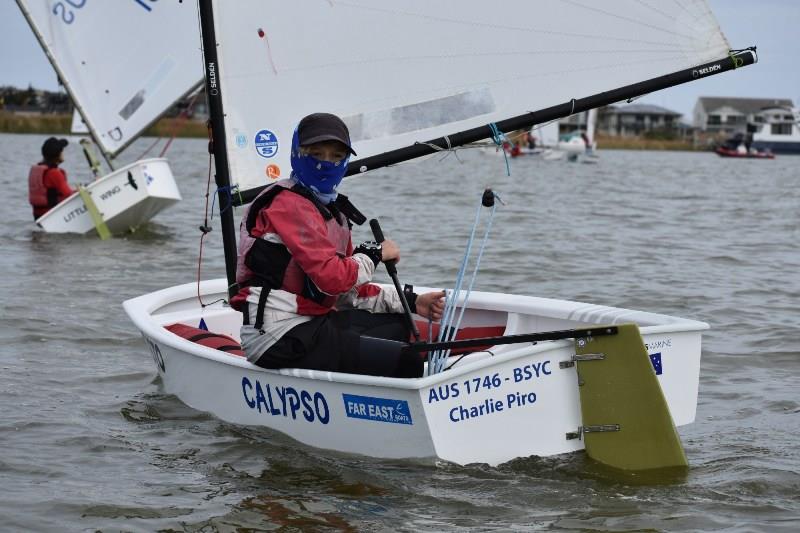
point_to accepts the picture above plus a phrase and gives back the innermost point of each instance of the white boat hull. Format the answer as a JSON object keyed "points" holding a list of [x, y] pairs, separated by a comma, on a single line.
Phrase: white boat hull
{"points": [[125, 198], [490, 408]]}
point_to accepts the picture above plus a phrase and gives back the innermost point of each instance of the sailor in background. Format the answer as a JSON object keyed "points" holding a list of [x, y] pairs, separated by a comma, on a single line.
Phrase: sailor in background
{"points": [[47, 183], [304, 291]]}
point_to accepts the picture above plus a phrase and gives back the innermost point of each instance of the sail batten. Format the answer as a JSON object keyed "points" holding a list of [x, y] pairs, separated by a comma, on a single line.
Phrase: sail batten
{"points": [[122, 63]]}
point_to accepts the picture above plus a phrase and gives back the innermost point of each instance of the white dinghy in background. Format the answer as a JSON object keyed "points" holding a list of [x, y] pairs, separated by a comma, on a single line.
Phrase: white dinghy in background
{"points": [[123, 64], [613, 381], [124, 199]]}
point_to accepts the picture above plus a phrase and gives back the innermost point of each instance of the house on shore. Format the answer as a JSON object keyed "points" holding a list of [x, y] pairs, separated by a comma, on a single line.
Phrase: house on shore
{"points": [[634, 120], [728, 116]]}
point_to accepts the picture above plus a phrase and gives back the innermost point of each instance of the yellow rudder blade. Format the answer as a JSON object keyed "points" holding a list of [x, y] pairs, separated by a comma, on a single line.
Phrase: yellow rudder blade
{"points": [[97, 218], [626, 421]]}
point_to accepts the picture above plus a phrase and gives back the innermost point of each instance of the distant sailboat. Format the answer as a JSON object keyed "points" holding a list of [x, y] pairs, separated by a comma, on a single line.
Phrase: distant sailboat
{"points": [[123, 64], [413, 79]]}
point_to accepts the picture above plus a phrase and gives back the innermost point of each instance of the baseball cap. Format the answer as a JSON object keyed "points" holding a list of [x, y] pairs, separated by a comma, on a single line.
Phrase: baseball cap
{"points": [[318, 127], [52, 147]]}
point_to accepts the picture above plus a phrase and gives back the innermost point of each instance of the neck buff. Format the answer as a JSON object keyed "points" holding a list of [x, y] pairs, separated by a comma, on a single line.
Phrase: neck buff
{"points": [[320, 177]]}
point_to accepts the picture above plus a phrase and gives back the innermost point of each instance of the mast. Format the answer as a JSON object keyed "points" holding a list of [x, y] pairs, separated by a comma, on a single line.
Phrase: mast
{"points": [[63, 80], [218, 141], [735, 59]]}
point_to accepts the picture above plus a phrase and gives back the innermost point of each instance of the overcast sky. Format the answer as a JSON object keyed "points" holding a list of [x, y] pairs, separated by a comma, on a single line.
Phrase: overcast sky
{"points": [[772, 25]]}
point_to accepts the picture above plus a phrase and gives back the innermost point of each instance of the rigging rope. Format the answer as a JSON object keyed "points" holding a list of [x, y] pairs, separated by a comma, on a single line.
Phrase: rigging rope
{"points": [[448, 327], [205, 229], [499, 138]]}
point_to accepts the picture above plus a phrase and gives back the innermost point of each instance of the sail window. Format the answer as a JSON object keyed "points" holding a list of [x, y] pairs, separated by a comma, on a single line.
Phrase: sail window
{"points": [[420, 116]]}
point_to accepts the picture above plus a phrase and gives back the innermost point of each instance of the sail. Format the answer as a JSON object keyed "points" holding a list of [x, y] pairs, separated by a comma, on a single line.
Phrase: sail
{"points": [[122, 62], [547, 135], [591, 122], [406, 72], [78, 126]]}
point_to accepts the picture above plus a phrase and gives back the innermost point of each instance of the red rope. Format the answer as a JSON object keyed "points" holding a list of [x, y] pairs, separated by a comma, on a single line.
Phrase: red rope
{"points": [[179, 122]]}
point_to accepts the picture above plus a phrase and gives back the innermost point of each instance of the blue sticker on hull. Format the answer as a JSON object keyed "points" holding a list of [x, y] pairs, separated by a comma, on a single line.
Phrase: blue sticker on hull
{"points": [[377, 409], [655, 358]]}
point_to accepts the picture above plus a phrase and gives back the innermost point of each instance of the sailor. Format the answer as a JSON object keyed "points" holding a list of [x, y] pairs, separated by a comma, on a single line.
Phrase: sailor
{"points": [[304, 291], [47, 183]]}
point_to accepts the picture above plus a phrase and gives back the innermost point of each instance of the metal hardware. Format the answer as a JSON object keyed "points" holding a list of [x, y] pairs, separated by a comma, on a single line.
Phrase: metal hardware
{"points": [[583, 357], [603, 428]]}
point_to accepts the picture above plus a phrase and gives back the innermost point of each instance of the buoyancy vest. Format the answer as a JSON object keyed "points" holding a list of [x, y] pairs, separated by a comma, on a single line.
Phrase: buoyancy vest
{"points": [[40, 196], [269, 265]]}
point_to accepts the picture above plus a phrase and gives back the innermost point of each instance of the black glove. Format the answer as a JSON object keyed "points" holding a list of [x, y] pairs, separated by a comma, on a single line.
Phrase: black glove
{"points": [[372, 249]]}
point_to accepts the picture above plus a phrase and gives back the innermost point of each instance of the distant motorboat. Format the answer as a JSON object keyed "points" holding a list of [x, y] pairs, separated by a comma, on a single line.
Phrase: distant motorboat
{"points": [[741, 146], [745, 154]]}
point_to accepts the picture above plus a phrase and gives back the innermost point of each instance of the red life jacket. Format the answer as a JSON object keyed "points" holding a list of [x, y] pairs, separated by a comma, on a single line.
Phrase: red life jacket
{"points": [[275, 268], [41, 197]]}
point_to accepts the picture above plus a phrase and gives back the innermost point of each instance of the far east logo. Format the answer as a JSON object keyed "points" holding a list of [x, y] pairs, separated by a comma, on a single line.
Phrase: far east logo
{"points": [[266, 143], [377, 409], [241, 140]]}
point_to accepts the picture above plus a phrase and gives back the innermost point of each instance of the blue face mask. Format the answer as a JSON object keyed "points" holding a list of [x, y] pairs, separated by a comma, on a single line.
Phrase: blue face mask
{"points": [[321, 177]]}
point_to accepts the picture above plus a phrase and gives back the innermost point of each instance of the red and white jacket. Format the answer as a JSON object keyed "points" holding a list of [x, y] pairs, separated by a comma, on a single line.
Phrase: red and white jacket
{"points": [[321, 252]]}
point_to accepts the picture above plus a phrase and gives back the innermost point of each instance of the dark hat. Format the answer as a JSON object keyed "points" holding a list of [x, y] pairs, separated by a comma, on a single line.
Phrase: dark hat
{"points": [[318, 127], [52, 147]]}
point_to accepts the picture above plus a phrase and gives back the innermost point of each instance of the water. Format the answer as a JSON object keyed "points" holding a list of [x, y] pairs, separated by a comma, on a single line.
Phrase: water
{"points": [[90, 441]]}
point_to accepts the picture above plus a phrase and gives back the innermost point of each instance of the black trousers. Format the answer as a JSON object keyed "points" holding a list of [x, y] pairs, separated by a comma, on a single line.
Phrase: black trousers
{"points": [[353, 341]]}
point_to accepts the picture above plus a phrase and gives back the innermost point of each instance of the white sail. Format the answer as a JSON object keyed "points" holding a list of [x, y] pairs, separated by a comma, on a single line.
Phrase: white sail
{"points": [[405, 72], [78, 126], [546, 134], [122, 62], [591, 122]]}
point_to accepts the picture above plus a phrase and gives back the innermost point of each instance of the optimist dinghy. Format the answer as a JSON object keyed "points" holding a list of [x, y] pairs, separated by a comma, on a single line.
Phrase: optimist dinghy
{"points": [[123, 64], [527, 376]]}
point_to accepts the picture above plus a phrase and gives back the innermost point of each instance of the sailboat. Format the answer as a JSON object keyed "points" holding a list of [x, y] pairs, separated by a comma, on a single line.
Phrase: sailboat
{"points": [[411, 80], [580, 145], [123, 64]]}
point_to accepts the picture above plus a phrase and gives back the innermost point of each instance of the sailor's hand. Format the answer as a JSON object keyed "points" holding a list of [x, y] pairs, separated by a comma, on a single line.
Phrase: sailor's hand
{"points": [[390, 251], [431, 305]]}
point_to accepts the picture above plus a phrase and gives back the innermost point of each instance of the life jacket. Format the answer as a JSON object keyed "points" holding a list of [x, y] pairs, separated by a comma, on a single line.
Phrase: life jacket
{"points": [[42, 198], [270, 265]]}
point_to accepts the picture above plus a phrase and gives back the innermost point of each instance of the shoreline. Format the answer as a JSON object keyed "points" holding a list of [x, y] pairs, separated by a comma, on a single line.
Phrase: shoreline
{"points": [[60, 125], [195, 129]]}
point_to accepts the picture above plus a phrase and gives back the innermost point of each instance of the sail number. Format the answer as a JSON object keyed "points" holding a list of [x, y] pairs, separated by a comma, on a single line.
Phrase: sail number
{"points": [[65, 9], [487, 382]]}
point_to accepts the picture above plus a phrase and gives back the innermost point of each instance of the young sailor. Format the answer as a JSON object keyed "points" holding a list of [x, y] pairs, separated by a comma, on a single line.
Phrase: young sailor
{"points": [[47, 183], [304, 290]]}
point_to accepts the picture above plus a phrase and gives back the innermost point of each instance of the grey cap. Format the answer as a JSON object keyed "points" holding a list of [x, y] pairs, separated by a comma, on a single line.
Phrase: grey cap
{"points": [[318, 127]]}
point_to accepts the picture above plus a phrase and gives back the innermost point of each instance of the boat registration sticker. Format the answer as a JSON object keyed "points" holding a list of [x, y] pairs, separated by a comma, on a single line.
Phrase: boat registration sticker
{"points": [[377, 409], [266, 143]]}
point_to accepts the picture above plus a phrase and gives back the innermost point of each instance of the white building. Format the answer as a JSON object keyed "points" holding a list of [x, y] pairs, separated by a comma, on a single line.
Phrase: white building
{"points": [[733, 115]]}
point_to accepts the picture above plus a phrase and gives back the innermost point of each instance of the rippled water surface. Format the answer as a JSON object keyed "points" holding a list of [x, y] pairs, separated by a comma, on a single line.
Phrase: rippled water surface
{"points": [[90, 441]]}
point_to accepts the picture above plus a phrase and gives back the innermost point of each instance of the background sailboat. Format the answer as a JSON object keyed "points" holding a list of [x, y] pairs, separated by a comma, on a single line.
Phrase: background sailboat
{"points": [[411, 80], [123, 64]]}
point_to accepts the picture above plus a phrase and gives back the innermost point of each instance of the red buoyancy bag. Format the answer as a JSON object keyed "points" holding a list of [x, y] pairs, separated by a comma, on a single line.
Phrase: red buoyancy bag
{"points": [[207, 338], [471, 332]]}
